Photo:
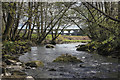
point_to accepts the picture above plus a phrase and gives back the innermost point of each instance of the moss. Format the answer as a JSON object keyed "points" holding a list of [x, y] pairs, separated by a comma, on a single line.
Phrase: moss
{"points": [[9, 57], [67, 58], [34, 64], [49, 46], [16, 47], [82, 48]]}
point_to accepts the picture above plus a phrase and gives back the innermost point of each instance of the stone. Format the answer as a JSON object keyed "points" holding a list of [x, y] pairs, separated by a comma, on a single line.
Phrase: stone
{"points": [[9, 61], [50, 46], [82, 66], [17, 72], [67, 58], [34, 64], [18, 63], [82, 48], [29, 78], [14, 67]]}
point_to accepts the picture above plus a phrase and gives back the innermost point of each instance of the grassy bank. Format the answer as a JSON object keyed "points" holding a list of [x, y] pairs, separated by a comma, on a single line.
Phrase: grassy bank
{"points": [[106, 48], [11, 50], [62, 39], [69, 39], [10, 58]]}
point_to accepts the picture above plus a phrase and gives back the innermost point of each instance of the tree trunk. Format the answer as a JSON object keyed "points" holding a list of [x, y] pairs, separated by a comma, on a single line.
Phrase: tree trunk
{"points": [[8, 27]]}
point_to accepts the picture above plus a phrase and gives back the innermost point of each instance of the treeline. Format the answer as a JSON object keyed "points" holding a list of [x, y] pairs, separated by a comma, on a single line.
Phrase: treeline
{"points": [[30, 15], [103, 21], [99, 20]]}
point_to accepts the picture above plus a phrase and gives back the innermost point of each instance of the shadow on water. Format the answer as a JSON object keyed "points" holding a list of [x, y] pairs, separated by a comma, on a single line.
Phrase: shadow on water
{"points": [[94, 66]]}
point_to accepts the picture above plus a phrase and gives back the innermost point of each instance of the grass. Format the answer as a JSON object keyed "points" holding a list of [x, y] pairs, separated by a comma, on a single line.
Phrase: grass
{"points": [[64, 38], [77, 41]]}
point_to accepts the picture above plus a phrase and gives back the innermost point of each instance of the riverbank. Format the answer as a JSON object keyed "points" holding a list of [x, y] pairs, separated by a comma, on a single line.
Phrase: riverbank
{"points": [[12, 67], [17, 68], [60, 39], [68, 39], [92, 66], [102, 48]]}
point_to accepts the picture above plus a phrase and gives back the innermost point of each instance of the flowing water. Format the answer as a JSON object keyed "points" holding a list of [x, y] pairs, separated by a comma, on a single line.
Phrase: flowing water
{"points": [[94, 66]]}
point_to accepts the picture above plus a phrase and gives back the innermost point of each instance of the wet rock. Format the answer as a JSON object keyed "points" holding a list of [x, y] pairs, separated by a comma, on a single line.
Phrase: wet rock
{"points": [[52, 69], [19, 63], [14, 67], [30, 78], [50, 46], [82, 66], [27, 67], [7, 74], [9, 62], [83, 57], [34, 64], [67, 58], [17, 72], [82, 48]]}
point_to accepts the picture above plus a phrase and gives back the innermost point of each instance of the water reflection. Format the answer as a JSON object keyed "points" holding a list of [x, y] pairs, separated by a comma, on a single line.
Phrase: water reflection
{"points": [[94, 65]]}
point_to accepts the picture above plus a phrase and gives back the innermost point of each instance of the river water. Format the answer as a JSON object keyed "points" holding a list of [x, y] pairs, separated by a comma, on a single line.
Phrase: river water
{"points": [[94, 66]]}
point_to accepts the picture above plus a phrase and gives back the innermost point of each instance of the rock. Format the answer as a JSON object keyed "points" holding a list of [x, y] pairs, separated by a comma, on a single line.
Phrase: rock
{"points": [[50, 46], [28, 67], [9, 62], [52, 69], [7, 74], [30, 78], [19, 63], [9, 57], [81, 48], [82, 66], [67, 58], [34, 63], [14, 67], [17, 72]]}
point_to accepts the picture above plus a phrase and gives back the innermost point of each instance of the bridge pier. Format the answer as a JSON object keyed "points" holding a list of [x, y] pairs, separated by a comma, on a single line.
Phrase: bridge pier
{"points": [[62, 33], [75, 31], [69, 32]]}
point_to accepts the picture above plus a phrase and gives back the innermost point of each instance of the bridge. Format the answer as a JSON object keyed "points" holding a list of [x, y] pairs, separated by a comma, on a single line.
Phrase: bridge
{"points": [[64, 32]]}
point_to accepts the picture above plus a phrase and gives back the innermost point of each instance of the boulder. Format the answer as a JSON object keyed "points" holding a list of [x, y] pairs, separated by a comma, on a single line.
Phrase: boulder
{"points": [[29, 78], [19, 73], [50, 46], [9, 61], [14, 67], [67, 58], [82, 48], [34, 63]]}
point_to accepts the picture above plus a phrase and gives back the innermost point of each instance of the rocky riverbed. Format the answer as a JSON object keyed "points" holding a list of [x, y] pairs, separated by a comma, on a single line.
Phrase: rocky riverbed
{"points": [[92, 66], [11, 66]]}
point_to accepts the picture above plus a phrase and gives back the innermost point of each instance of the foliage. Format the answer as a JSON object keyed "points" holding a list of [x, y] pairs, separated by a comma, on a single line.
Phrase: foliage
{"points": [[16, 47], [67, 58]]}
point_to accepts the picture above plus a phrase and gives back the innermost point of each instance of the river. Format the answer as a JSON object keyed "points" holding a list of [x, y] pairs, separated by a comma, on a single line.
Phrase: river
{"points": [[94, 66]]}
